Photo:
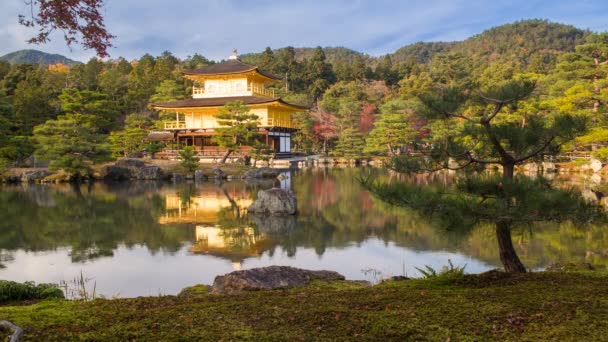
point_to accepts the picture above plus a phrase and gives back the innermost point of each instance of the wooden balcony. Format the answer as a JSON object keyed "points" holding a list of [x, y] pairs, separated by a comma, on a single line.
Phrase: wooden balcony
{"points": [[253, 89], [272, 122], [175, 125]]}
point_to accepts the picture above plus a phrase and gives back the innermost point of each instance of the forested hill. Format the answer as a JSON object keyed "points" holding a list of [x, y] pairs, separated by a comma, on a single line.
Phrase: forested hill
{"points": [[518, 40], [332, 55], [36, 57]]}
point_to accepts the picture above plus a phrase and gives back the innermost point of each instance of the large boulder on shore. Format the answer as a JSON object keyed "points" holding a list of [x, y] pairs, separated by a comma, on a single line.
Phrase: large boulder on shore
{"points": [[34, 176], [130, 168], [130, 163], [262, 172], [274, 202], [116, 173], [268, 278], [150, 172]]}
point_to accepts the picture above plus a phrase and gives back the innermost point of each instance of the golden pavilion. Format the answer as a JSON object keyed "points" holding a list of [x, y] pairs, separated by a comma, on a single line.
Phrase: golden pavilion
{"points": [[214, 86]]}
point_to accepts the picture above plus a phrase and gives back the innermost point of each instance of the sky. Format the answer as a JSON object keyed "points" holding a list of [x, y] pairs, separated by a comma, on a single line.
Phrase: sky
{"points": [[376, 27]]}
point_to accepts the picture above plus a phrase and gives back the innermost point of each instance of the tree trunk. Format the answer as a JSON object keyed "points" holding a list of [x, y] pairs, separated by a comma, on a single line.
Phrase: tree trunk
{"points": [[508, 170], [226, 155], [390, 149], [507, 253]]}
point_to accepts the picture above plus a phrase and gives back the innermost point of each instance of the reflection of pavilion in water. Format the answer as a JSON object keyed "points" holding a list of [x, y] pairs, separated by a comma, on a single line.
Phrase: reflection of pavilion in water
{"points": [[219, 218]]}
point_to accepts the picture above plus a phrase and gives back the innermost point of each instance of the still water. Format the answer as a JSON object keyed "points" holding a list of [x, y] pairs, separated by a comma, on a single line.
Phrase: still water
{"points": [[144, 238]]}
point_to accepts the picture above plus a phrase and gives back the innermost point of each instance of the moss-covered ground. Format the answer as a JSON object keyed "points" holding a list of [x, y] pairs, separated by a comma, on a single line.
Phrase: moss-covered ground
{"points": [[554, 306]]}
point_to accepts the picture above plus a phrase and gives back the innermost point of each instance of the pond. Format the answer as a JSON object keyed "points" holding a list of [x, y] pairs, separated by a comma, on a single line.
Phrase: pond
{"points": [[149, 238]]}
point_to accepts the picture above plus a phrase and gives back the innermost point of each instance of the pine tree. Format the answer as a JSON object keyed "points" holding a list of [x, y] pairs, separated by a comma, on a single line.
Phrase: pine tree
{"points": [[72, 143], [238, 127], [189, 160], [392, 130], [130, 140], [350, 144]]}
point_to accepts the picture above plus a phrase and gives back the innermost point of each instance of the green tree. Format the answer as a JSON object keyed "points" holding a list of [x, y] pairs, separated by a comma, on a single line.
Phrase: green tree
{"points": [[93, 103], [130, 140], [488, 134], [238, 127], [319, 74], [392, 129], [189, 160], [71, 142], [31, 101], [260, 151], [167, 91], [350, 144]]}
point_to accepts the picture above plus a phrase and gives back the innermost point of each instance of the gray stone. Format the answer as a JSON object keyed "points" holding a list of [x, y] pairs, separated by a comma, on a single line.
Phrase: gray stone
{"points": [[149, 173], [34, 176], [218, 173], [268, 278], [177, 177], [116, 173], [199, 175], [262, 172], [275, 202], [16, 332], [12, 179], [130, 163]]}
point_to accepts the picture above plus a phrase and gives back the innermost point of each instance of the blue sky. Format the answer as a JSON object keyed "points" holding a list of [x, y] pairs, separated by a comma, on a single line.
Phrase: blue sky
{"points": [[214, 27]]}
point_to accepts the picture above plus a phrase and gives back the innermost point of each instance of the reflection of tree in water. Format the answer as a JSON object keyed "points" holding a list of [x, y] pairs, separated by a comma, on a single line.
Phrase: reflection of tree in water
{"points": [[335, 212], [91, 222]]}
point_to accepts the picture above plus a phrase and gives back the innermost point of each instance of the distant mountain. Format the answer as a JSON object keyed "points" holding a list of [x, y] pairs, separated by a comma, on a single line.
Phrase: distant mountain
{"points": [[516, 41], [36, 57], [511, 41]]}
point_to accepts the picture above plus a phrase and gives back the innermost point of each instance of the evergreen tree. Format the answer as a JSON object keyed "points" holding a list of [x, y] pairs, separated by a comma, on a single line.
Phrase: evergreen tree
{"points": [[350, 144], [189, 160], [93, 103], [391, 131], [319, 74], [238, 127], [267, 60], [129, 141], [71, 142], [31, 102]]}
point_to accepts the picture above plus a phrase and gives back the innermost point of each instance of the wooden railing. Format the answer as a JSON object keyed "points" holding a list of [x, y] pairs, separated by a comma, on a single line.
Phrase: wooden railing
{"points": [[280, 123], [257, 89], [252, 89], [175, 125]]}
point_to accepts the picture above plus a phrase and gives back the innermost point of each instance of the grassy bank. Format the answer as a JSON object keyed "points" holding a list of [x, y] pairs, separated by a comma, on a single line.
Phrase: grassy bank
{"points": [[537, 306]]}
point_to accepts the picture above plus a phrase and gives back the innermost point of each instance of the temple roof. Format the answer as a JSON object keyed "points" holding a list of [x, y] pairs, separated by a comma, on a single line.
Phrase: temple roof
{"points": [[220, 101], [231, 66]]}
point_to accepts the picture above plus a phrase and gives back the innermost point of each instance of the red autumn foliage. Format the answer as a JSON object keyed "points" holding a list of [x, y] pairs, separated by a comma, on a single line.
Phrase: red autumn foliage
{"points": [[75, 18], [367, 117], [325, 126]]}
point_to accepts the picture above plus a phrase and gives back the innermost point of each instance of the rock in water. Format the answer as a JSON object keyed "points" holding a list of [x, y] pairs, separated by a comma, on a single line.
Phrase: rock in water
{"points": [[218, 173], [199, 175], [275, 202], [268, 278]]}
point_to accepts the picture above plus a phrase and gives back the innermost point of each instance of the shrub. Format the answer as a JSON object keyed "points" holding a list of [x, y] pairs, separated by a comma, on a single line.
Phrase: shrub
{"points": [[189, 159], [449, 272], [13, 291]]}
